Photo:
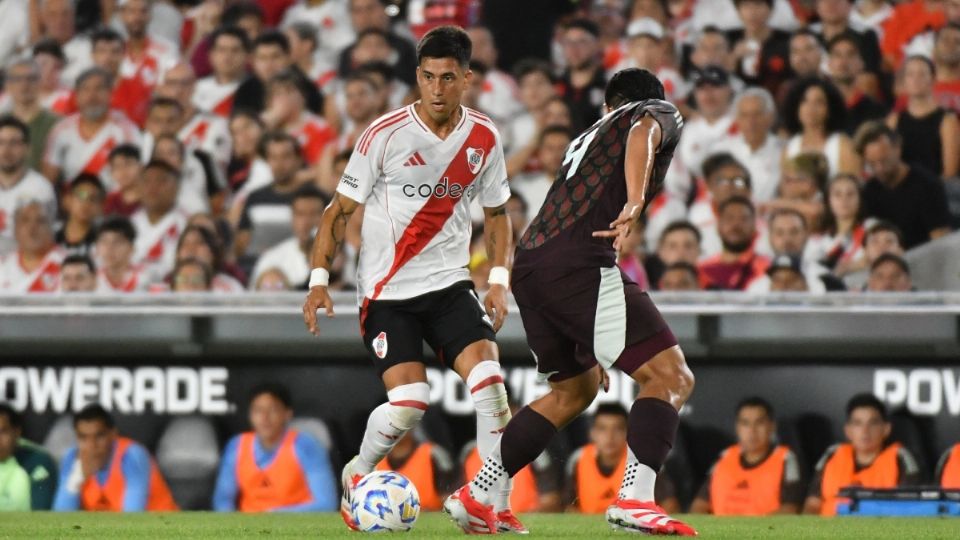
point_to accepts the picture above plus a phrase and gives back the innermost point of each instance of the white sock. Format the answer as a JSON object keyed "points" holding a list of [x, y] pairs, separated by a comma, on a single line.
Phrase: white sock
{"points": [[490, 480], [389, 422], [493, 413], [638, 480]]}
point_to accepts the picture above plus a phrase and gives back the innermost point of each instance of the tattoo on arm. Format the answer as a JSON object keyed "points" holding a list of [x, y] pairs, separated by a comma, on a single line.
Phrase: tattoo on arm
{"points": [[499, 211], [331, 247]]}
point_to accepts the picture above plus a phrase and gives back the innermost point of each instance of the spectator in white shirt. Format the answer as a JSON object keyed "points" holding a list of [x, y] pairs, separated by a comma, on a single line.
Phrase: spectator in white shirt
{"points": [[77, 274], [754, 145], [713, 96], [533, 187], [17, 182], [292, 256]]}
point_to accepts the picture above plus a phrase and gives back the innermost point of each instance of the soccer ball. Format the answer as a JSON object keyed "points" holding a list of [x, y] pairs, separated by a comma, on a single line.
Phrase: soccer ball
{"points": [[385, 501]]}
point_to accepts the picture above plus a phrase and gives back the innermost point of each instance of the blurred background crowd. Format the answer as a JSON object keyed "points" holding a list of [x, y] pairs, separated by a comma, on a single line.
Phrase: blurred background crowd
{"points": [[192, 145]]}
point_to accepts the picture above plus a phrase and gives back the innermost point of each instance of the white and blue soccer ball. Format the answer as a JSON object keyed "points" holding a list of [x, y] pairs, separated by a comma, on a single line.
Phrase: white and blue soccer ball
{"points": [[385, 501]]}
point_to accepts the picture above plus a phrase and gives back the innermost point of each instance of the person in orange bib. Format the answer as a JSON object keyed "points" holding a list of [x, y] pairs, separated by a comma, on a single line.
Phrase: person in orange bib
{"points": [[866, 459], [274, 468], [948, 469], [754, 477], [426, 464], [535, 487], [109, 473], [595, 470]]}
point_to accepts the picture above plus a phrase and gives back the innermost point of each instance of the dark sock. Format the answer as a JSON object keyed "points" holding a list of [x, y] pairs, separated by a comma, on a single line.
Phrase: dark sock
{"points": [[524, 439], [651, 429]]}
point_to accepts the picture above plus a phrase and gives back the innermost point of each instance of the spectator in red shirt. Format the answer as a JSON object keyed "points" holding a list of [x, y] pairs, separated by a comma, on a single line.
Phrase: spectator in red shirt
{"points": [[738, 265]]}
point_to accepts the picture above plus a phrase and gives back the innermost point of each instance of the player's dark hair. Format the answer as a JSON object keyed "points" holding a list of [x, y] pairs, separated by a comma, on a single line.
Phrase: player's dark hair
{"points": [[883, 226], [13, 417], [126, 150], [274, 389], [11, 121], [88, 179], [836, 107], [76, 258], [715, 162], [191, 261], [161, 101], [865, 400], [51, 47], [614, 409], [120, 225], [233, 14], [780, 212], [632, 84], [528, 66], [104, 34], [755, 401], [309, 191], [238, 34], [308, 32], [94, 72], [555, 130], [734, 200], [272, 38], [586, 25], [94, 412], [277, 137], [871, 132], [847, 36], [681, 225], [891, 258], [446, 42], [164, 166]]}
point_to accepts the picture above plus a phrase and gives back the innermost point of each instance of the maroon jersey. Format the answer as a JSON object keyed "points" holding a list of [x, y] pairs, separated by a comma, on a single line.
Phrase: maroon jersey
{"points": [[590, 190]]}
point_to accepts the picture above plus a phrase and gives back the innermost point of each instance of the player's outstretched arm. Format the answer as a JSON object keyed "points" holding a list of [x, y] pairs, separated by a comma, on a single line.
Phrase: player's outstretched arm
{"points": [[333, 226], [498, 235], [642, 144]]}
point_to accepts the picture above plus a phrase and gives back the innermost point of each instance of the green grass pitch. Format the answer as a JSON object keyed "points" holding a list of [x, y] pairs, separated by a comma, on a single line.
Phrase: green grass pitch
{"points": [[272, 526]]}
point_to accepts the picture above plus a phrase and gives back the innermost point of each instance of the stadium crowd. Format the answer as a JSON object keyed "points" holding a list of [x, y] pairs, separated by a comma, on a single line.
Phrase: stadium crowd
{"points": [[191, 145], [277, 466]]}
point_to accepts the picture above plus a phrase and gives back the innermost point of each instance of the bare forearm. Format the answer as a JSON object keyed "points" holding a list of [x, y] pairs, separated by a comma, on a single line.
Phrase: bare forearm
{"points": [[642, 144], [498, 235], [333, 227]]}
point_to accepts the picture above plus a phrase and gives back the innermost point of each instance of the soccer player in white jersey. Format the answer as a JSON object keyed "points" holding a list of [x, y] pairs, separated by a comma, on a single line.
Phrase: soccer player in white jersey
{"points": [[416, 171]]}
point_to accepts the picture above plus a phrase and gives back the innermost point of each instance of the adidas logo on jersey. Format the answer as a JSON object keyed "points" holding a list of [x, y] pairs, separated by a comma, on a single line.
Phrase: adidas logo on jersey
{"points": [[415, 160]]}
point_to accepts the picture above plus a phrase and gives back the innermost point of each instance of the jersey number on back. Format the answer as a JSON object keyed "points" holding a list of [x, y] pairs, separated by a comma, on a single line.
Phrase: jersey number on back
{"points": [[577, 149]]}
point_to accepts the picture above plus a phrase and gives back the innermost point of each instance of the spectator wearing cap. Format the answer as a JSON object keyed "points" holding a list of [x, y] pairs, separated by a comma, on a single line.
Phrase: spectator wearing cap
{"points": [[759, 150], [946, 57], [22, 84], [533, 186], [867, 459], [756, 476], [108, 472], [114, 247], [292, 256], [725, 177], [28, 474], [332, 19], [78, 274], [158, 222], [846, 68], [51, 92], [839, 246], [762, 52], [83, 203], [889, 273], [229, 52], [35, 265], [908, 196], [814, 116], [18, 182], [738, 265], [646, 48], [583, 82], [786, 275], [273, 468], [270, 56], [834, 20], [124, 168], [714, 121], [679, 242], [679, 276], [930, 134], [499, 97], [82, 141]]}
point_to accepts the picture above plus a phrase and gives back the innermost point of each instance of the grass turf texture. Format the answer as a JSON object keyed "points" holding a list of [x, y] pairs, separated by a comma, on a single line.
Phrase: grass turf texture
{"points": [[433, 525]]}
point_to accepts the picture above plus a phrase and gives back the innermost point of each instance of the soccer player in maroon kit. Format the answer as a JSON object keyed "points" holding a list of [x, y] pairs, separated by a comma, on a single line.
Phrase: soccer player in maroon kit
{"points": [[580, 311]]}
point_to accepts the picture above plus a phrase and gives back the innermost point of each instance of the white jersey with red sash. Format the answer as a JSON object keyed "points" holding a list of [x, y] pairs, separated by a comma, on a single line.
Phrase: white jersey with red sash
{"points": [[417, 190], [133, 280], [45, 278], [208, 133], [156, 243], [73, 154], [213, 97]]}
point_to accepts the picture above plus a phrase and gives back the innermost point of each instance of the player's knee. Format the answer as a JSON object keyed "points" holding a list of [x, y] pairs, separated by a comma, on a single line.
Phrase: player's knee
{"points": [[574, 401], [671, 371], [408, 403], [487, 389]]}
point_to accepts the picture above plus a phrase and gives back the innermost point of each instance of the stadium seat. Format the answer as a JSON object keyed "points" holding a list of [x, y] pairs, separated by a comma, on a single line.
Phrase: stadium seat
{"points": [[60, 437], [816, 434], [188, 455], [789, 434], [705, 445], [319, 430], [143, 428], [910, 431]]}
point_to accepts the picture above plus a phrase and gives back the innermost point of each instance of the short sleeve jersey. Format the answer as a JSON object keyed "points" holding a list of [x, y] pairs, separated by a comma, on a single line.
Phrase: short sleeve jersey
{"points": [[73, 154], [590, 190], [417, 191]]}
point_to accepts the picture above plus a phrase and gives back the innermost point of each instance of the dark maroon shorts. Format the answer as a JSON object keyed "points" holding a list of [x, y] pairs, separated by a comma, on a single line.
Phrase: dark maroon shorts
{"points": [[577, 318]]}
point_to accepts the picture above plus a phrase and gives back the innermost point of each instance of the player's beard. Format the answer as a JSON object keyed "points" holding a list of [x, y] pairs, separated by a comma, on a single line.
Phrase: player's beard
{"points": [[737, 247]]}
